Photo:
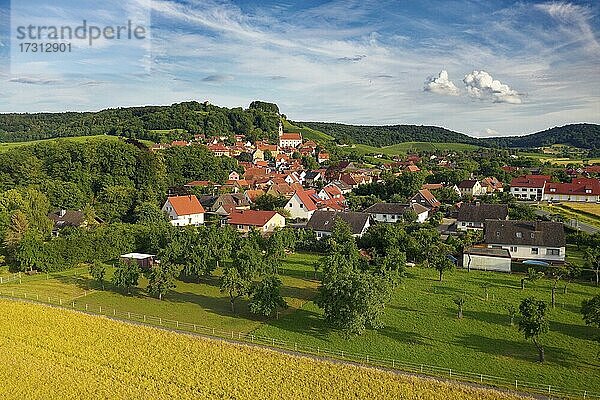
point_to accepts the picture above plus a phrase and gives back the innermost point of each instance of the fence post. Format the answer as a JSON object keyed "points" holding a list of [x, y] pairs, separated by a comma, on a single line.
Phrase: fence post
{"points": [[342, 353], [393, 364], [114, 312], [60, 302], [584, 394], [516, 383], [295, 347], [549, 389], [144, 317], [213, 331], [481, 378], [37, 297], [128, 315], [231, 334], [367, 358], [177, 324], [86, 307], [25, 295], [73, 304], [194, 327], [273, 342], [421, 368], [318, 351], [450, 372], [160, 321], [100, 309], [239, 335]]}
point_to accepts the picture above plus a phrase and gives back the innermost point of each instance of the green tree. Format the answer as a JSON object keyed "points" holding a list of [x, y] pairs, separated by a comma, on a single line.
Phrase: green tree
{"points": [[534, 322], [512, 313], [266, 297], [161, 278], [234, 284], [460, 302], [97, 271], [126, 276], [592, 259], [438, 259], [590, 310], [532, 276]]}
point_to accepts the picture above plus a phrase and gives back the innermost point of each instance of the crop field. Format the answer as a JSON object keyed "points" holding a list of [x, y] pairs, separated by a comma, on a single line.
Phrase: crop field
{"points": [[53, 353], [420, 322], [588, 208]]}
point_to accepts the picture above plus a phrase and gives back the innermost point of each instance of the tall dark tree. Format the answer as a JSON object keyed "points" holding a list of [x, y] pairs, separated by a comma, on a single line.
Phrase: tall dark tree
{"points": [[534, 322]]}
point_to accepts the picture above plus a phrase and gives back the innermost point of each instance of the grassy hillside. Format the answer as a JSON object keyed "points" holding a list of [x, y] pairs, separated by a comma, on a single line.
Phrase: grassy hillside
{"points": [[584, 136], [11, 145], [54, 353], [382, 136]]}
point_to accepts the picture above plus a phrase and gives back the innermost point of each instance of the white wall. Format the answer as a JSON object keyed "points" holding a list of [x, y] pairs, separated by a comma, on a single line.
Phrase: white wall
{"points": [[297, 209], [182, 220], [486, 263], [523, 252]]}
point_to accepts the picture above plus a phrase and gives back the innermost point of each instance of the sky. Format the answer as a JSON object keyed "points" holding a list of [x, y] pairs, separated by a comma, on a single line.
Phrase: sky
{"points": [[480, 67]]}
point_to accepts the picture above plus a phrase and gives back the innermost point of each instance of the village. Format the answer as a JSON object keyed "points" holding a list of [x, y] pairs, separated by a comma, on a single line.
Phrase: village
{"points": [[314, 198]]}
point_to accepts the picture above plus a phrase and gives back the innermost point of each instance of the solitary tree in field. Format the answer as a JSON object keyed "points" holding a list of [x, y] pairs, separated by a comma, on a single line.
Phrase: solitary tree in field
{"points": [[460, 302], [532, 276], [126, 276], [98, 271], [161, 278], [572, 272], [592, 258], [556, 274], [534, 322], [266, 297], [486, 286], [512, 313], [590, 309], [438, 259], [234, 284]]}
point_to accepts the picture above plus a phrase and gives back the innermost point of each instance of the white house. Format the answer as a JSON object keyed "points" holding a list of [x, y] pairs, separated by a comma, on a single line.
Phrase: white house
{"points": [[585, 190], [394, 212], [527, 240], [473, 216], [184, 210], [471, 188], [290, 140], [529, 187], [322, 222], [301, 205]]}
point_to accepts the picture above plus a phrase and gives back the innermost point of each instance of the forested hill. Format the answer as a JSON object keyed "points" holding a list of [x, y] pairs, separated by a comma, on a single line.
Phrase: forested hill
{"points": [[584, 136], [259, 121], [389, 134]]}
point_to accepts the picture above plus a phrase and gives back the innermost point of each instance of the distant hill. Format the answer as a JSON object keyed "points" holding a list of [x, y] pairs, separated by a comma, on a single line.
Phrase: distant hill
{"points": [[387, 135], [584, 136]]}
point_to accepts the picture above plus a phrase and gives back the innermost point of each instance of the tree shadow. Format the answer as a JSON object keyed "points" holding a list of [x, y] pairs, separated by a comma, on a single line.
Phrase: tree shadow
{"points": [[218, 305], [305, 293], [576, 331], [524, 351], [446, 290], [304, 322], [405, 337]]}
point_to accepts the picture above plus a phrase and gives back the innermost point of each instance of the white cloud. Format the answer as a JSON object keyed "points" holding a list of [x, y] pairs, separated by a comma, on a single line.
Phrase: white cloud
{"points": [[441, 84], [483, 86]]}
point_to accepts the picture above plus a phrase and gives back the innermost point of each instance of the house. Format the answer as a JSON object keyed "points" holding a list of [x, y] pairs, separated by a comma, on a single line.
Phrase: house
{"points": [[184, 210], [312, 177], [322, 222], [144, 261], [330, 192], [492, 185], [473, 216], [234, 176], [394, 212], [412, 168], [263, 221], [342, 186], [290, 140], [471, 188], [230, 202], [426, 199], [63, 218], [487, 259], [301, 205], [527, 240], [219, 150], [322, 157], [579, 190], [529, 187]]}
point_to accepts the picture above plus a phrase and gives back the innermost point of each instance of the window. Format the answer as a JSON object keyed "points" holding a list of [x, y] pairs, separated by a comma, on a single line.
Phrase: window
{"points": [[497, 234], [553, 252], [519, 234], [534, 250], [531, 235], [464, 223], [513, 249]]}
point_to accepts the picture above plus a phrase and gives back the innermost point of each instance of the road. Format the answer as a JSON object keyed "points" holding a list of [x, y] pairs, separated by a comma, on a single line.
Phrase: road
{"points": [[587, 228]]}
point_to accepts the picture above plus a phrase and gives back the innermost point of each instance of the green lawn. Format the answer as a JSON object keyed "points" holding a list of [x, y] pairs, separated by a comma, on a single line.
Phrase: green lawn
{"points": [[11, 145], [420, 322], [421, 327]]}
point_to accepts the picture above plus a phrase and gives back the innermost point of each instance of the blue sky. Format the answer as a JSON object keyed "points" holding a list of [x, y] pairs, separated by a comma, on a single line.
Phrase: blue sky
{"points": [[479, 67]]}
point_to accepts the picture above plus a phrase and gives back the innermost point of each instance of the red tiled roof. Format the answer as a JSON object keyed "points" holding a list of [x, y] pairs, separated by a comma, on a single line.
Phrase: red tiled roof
{"points": [[306, 200], [186, 205], [413, 168], [581, 186], [180, 143], [432, 186], [290, 136], [592, 169], [250, 217], [530, 181], [430, 198], [199, 183]]}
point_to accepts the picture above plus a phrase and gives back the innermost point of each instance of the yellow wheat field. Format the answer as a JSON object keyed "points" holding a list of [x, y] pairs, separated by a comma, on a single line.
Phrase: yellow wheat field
{"points": [[49, 353], [590, 208]]}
